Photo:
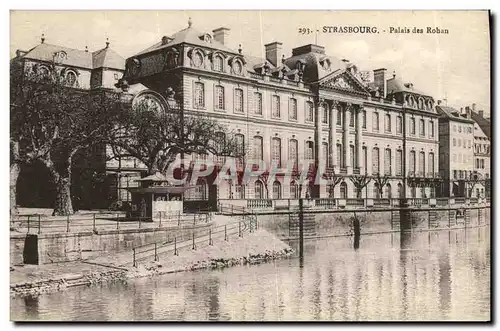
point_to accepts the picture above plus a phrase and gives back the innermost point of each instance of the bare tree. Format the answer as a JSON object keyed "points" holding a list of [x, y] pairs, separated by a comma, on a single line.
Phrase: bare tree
{"points": [[155, 135], [472, 181], [360, 182], [381, 181], [333, 180], [51, 122]]}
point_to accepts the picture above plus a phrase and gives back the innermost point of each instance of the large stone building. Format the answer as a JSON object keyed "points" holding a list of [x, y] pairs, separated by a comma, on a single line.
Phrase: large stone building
{"points": [[283, 108], [309, 105]]}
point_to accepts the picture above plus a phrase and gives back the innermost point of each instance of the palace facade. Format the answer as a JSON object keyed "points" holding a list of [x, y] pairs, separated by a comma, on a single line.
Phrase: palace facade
{"points": [[307, 105]]}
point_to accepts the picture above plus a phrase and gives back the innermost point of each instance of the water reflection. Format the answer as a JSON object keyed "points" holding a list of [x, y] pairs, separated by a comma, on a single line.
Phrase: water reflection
{"points": [[413, 276]]}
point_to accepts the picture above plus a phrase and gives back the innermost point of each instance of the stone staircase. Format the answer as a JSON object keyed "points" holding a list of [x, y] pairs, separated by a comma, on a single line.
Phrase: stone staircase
{"points": [[309, 225]]}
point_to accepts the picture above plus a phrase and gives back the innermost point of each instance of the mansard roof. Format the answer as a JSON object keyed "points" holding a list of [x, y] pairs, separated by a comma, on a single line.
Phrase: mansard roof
{"points": [[191, 36], [317, 64], [395, 85], [105, 57]]}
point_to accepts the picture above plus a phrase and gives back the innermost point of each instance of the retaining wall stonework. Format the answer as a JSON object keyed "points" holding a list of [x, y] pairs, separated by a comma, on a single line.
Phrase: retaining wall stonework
{"points": [[328, 224], [65, 247]]}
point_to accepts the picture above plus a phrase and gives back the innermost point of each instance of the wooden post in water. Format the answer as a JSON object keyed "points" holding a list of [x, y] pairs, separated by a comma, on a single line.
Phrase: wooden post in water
{"points": [[301, 229]]}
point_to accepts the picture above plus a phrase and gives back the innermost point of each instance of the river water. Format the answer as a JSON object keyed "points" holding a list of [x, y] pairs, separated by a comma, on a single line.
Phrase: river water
{"points": [[441, 275]]}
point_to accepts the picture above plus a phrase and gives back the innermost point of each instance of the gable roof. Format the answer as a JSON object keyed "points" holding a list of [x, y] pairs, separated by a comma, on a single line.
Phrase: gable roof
{"points": [[105, 57], [483, 123], [452, 114]]}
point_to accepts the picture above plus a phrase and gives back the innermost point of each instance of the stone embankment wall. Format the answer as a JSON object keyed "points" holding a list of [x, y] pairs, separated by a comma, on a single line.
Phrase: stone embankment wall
{"points": [[64, 247], [338, 224]]}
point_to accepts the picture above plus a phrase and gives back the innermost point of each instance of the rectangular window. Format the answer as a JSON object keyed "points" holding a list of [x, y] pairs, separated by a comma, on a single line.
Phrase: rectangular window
{"points": [[293, 151], [258, 103], [412, 161], [219, 97], [292, 109], [459, 142], [339, 156], [339, 117], [387, 123], [324, 114], [421, 163], [199, 95], [352, 156], [238, 100], [459, 129], [275, 107], [309, 112], [240, 150], [375, 122], [431, 163], [454, 142], [363, 117], [412, 125], [399, 162], [352, 118], [387, 162], [375, 161], [365, 157], [422, 127], [309, 150], [276, 152], [257, 148], [399, 124], [324, 154], [431, 129]]}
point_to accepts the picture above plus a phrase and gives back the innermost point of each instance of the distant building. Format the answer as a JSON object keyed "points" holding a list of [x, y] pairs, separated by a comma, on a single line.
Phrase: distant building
{"points": [[482, 153], [456, 146]]}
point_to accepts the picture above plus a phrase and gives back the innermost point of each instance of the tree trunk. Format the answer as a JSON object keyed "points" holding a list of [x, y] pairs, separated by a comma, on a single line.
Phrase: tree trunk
{"points": [[15, 169], [359, 193], [62, 178], [63, 205]]}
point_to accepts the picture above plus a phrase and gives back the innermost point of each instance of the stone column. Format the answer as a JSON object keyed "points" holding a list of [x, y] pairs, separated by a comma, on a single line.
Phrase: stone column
{"points": [[332, 139], [359, 150], [347, 119], [318, 149]]}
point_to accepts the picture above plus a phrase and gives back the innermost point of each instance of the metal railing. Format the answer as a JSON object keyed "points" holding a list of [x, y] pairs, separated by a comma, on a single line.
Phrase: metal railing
{"points": [[43, 223], [259, 203], [150, 251]]}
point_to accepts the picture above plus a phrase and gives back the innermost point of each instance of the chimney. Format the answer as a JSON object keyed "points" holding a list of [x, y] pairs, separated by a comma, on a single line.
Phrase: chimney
{"points": [[473, 107], [221, 35], [439, 102], [481, 113], [274, 52], [380, 81]]}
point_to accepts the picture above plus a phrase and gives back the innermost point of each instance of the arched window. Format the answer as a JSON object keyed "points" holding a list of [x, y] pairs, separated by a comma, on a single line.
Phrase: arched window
{"points": [[431, 163], [294, 190], [376, 192], [276, 190], [218, 63], [343, 190], [259, 190], [400, 190], [309, 152], [412, 162], [388, 191]]}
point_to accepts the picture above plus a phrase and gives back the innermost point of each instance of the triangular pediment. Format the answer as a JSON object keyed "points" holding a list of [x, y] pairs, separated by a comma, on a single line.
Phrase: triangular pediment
{"points": [[343, 81]]}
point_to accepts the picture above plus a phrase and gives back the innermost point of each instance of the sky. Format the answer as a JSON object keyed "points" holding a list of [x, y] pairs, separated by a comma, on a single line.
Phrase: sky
{"points": [[455, 66]]}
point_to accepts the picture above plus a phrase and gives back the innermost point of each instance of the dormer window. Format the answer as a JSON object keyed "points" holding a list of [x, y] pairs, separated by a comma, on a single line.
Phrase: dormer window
{"points": [[237, 67], [326, 64], [70, 78], [197, 59], [218, 63], [206, 38]]}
